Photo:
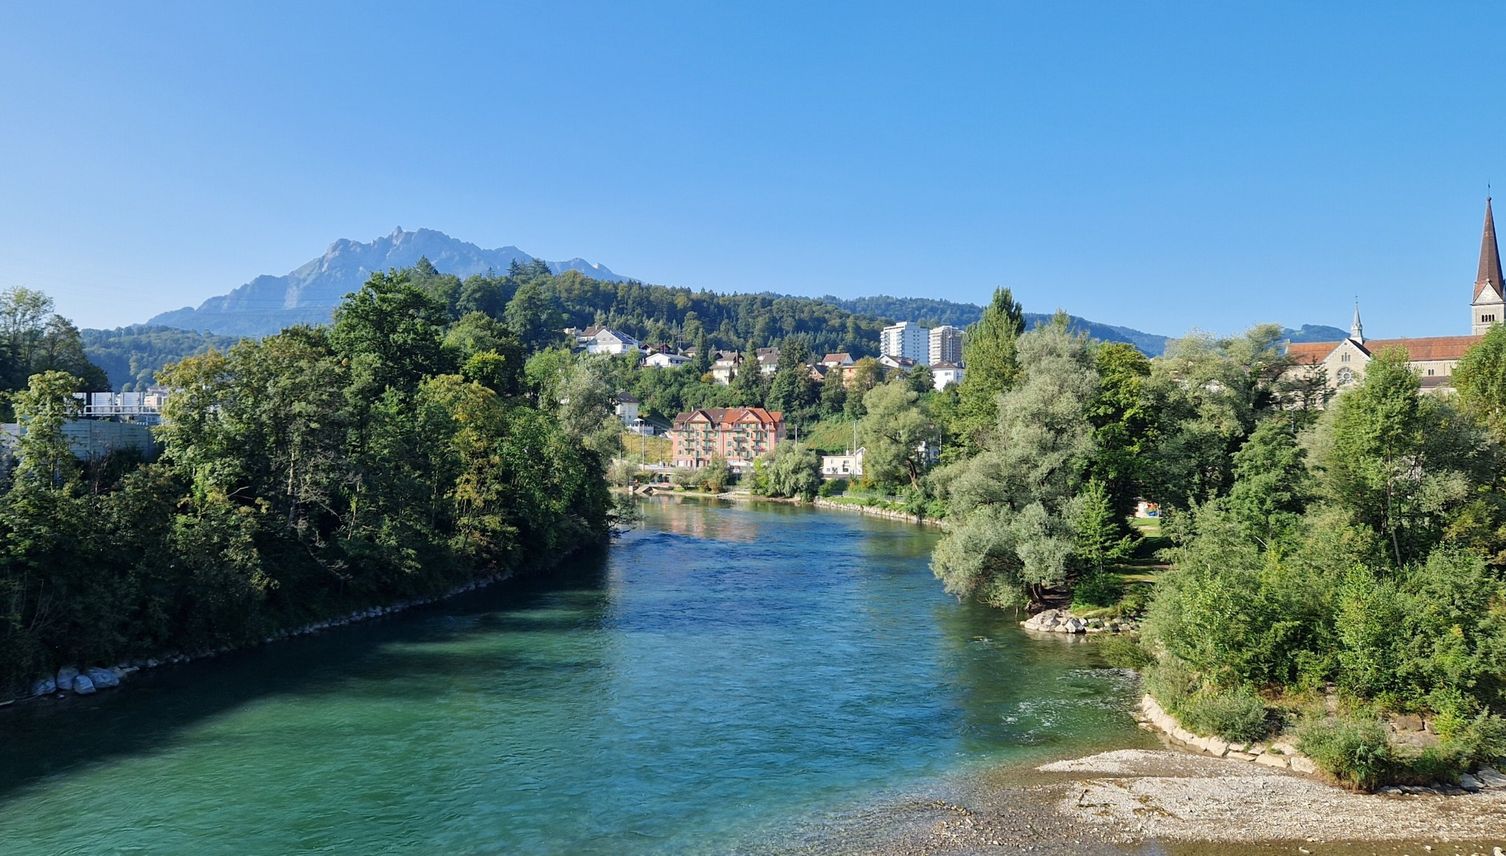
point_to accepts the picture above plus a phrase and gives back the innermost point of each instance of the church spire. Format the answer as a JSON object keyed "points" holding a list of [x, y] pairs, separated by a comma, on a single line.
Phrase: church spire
{"points": [[1490, 259], [1356, 329]]}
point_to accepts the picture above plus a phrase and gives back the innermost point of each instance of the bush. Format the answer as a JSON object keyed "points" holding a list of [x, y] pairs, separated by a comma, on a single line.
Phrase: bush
{"points": [[1354, 752], [833, 487], [1123, 651], [1238, 716], [1100, 589]]}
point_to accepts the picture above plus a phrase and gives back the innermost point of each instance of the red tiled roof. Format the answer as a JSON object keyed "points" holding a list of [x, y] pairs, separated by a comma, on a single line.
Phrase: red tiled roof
{"points": [[731, 415], [1418, 349]]}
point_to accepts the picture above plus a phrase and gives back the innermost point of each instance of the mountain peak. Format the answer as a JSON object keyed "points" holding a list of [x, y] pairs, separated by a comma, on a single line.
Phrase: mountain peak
{"points": [[309, 293]]}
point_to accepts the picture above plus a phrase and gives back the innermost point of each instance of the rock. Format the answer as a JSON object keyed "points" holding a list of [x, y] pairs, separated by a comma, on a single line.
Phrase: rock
{"points": [[102, 678], [65, 677], [1284, 745], [1271, 759], [1241, 756], [1470, 783], [82, 685], [1074, 625], [1304, 765], [45, 686], [1490, 777], [151, 663], [1407, 722], [1215, 746]]}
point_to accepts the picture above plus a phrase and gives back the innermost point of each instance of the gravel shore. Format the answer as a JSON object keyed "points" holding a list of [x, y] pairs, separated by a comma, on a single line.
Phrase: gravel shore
{"points": [[1159, 801]]}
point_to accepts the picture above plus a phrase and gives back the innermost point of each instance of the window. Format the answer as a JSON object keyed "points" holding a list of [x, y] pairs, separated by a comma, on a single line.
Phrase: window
{"points": [[1430, 372], [1488, 319], [1346, 377], [1343, 358]]}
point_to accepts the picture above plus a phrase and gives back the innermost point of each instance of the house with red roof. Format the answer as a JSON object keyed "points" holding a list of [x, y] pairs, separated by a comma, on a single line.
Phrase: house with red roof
{"points": [[738, 434]]}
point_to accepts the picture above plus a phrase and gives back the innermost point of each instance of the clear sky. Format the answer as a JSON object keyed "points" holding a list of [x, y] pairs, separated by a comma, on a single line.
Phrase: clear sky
{"points": [[1159, 166]]}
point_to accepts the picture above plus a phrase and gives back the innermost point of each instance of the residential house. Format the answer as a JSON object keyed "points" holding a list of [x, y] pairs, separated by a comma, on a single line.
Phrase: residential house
{"points": [[946, 374], [849, 464], [613, 342], [768, 360], [626, 408], [724, 367], [903, 364], [738, 434], [665, 360]]}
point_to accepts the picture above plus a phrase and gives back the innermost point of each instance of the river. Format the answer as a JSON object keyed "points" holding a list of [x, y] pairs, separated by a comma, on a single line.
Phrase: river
{"points": [[719, 677]]}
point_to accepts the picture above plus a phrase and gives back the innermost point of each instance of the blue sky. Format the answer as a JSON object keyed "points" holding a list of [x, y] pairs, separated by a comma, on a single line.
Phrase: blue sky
{"points": [[1162, 166]]}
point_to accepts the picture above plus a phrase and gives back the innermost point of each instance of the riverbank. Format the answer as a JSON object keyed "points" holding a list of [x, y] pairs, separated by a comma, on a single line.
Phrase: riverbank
{"points": [[74, 680], [1121, 801]]}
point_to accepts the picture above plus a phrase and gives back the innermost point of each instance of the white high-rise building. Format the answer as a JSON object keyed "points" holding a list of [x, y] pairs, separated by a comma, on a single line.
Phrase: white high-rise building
{"points": [[946, 345], [906, 339]]}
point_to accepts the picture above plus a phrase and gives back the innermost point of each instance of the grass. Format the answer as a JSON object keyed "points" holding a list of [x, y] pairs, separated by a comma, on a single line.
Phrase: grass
{"points": [[830, 436], [653, 450]]}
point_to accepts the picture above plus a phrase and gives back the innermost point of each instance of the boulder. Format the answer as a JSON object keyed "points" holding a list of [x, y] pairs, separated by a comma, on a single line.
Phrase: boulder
{"points": [[1271, 759], [65, 677], [1470, 783], [1490, 777], [82, 685], [44, 686], [1074, 625], [1304, 765], [1407, 722], [102, 678]]}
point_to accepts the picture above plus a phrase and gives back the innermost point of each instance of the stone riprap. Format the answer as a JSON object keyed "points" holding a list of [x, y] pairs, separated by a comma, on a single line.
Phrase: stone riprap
{"points": [[1063, 621]]}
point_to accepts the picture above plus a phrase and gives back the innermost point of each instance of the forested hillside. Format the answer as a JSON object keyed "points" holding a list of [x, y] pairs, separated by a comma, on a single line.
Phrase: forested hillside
{"points": [[131, 356], [34, 339]]}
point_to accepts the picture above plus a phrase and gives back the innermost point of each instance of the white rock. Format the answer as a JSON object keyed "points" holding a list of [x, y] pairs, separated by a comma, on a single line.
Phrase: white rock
{"points": [[65, 677], [44, 686], [82, 685], [102, 678], [1304, 765], [1271, 759]]}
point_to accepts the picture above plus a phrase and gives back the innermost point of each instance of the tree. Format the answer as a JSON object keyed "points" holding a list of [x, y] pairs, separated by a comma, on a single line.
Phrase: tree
{"points": [[747, 384], [794, 471], [989, 352], [1018, 533], [792, 391], [534, 317], [1272, 485], [1400, 463], [1480, 379], [892, 432]]}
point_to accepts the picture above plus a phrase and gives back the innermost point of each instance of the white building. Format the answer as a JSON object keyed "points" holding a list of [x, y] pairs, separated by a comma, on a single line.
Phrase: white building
{"points": [[626, 408], [906, 339], [849, 464], [946, 345], [666, 360], [945, 374], [607, 341]]}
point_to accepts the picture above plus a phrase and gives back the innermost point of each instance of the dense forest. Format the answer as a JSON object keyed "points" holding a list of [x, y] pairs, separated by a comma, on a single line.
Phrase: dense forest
{"points": [[131, 356], [398, 452]]}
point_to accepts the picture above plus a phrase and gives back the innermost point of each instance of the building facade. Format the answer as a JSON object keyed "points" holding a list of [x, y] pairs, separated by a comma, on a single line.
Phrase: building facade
{"points": [[946, 345], [906, 339], [738, 434], [1433, 358], [946, 374]]}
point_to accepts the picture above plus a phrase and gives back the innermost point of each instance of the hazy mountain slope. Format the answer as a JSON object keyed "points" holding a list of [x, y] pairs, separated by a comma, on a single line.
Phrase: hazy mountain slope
{"points": [[307, 295]]}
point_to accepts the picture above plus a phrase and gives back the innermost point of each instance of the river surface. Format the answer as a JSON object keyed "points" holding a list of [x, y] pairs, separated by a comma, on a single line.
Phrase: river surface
{"points": [[719, 676]]}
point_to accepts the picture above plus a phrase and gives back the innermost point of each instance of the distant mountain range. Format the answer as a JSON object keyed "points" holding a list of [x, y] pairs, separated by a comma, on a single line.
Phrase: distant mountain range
{"points": [[931, 312], [310, 293]]}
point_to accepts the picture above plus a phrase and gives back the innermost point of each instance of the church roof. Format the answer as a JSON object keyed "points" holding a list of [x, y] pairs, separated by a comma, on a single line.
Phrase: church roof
{"points": [[1418, 349], [1489, 275]]}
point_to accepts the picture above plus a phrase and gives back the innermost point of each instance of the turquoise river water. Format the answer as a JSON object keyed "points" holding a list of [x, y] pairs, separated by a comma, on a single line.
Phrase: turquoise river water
{"points": [[717, 673]]}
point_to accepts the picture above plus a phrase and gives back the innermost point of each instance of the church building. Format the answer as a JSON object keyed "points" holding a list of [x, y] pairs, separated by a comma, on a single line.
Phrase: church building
{"points": [[1432, 357]]}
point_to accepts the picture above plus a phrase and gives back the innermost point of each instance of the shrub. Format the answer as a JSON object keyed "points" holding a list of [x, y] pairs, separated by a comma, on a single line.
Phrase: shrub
{"points": [[1238, 716], [1354, 752], [1100, 589], [834, 487], [1124, 652]]}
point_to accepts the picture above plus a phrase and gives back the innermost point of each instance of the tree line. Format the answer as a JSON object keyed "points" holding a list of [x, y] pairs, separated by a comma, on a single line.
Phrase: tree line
{"points": [[397, 452]]}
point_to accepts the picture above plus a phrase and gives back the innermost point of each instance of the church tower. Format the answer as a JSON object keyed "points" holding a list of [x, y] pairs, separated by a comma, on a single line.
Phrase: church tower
{"points": [[1489, 305]]}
